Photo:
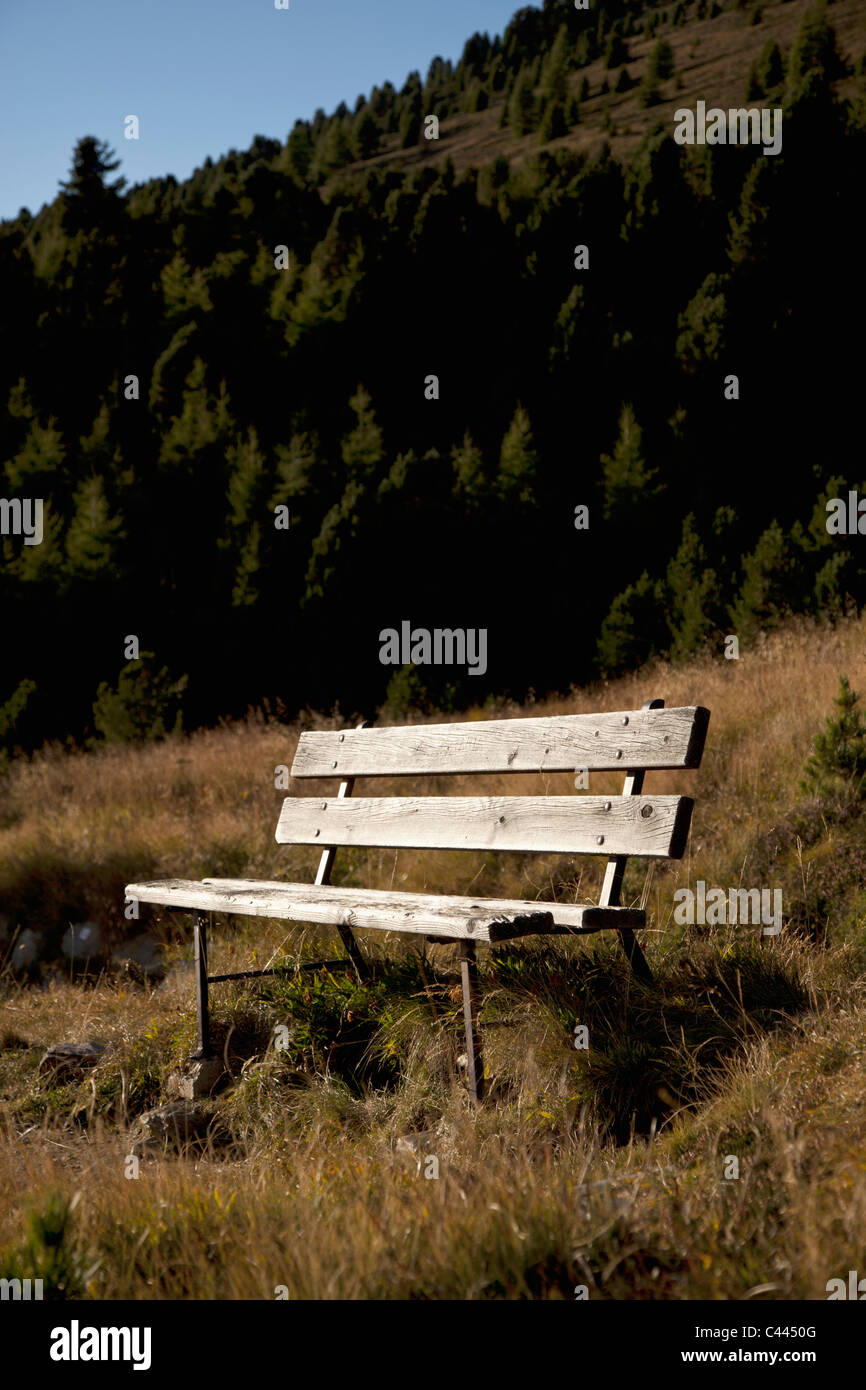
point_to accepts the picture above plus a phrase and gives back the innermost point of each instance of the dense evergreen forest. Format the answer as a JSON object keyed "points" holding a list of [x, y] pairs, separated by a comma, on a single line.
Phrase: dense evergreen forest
{"points": [[172, 379]]}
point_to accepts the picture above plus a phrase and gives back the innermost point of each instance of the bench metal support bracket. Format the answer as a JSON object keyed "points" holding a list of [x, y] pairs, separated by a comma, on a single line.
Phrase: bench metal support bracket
{"points": [[469, 984], [611, 892], [201, 984]]}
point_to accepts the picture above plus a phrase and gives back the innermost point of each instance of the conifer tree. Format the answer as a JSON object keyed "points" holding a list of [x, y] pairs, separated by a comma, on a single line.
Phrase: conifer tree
{"points": [[836, 768], [89, 198], [629, 482], [691, 588], [362, 448], [522, 113], [518, 460], [411, 123], [469, 471], [94, 534], [554, 80], [366, 134], [814, 50]]}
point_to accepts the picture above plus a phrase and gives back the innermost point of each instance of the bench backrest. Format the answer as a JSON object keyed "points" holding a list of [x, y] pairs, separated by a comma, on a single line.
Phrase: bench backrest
{"points": [[633, 741]]}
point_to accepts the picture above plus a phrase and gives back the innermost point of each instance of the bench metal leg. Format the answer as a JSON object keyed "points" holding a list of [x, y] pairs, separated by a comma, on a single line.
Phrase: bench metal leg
{"points": [[353, 951], [469, 982], [201, 994], [636, 958]]}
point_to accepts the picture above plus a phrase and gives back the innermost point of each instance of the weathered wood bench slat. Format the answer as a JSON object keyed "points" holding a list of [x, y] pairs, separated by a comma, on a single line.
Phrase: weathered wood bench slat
{"points": [[644, 826], [475, 919], [647, 738]]}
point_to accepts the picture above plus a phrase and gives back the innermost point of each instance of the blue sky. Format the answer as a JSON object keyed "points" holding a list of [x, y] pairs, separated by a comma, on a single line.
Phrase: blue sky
{"points": [[203, 76]]}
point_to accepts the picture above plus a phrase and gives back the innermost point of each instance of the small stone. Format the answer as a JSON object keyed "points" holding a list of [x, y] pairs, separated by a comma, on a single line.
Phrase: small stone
{"points": [[81, 941], [197, 1078], [170, 1126], [26, 950], [418, 1147], [71, 1058], [417, 1144]]}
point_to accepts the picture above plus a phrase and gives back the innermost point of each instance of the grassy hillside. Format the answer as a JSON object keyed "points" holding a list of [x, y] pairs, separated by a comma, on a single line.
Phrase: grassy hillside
{"points": [[711, 60], [605, 1167]]}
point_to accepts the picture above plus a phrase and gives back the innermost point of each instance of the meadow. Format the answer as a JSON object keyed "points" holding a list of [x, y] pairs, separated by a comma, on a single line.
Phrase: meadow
{"points": [[710, 1142]]}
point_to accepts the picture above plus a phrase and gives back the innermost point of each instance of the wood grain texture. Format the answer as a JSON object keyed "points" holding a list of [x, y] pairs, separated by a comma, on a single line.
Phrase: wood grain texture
{"points": [[646, 738], [650, 827], [476, 919]]}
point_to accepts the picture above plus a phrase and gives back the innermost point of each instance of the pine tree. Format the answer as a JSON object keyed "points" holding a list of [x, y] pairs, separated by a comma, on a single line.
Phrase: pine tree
{"points": [[628, 480], [362, 449], [814, 50], [703, 324], [201, 431], [773, 584], [767, 71], [691, 589], [10, 713], [469, 471], [522, 114], [94, 535], [518, 461], [411, 123], [89, 199], [554, 79], [300, 471], [634, 629], [299, 151], [145, 705], [245, 495], [771, 66], [43, 564], [555, 122], [366, 134], [616, 51], [39, 466], [836, 768]]}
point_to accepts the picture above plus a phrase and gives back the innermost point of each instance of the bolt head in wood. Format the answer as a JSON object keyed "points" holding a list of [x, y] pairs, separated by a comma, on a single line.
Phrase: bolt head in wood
{"points": [[646, 811], [600, 840], [618, 754], [607, 805]]}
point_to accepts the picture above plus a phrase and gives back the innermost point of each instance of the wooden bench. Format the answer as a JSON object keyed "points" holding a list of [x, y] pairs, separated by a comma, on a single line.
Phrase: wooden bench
{"points": [[619, 827]]}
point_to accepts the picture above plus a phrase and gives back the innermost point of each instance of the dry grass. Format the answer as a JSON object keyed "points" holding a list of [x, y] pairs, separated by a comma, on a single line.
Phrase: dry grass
{"points": [[604, 1168]]}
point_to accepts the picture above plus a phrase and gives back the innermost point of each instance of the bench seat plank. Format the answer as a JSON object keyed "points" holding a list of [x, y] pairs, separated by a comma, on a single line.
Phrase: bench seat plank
{"points": [[644, 738], [476, 919], [654, 827]]}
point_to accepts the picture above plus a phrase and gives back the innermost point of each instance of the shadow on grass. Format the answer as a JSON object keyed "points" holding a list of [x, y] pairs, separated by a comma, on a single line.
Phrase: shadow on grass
{"points": [[651, 1050]]}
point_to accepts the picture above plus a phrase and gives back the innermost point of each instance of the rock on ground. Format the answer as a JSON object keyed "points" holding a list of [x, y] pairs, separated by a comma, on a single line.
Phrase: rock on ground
{"points": [[197, 1078], [170, 1126], [71, 1058]]}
